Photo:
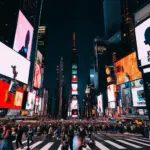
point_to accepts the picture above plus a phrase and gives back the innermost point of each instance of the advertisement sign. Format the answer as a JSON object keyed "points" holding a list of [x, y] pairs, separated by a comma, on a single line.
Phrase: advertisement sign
{"points": [[12, 112], [74, 104], [111, 89], [74, 89], [13, 65], [74, 78], [10, 100], [23, 37], [127, 69], [74, 72], [18, 98], [100, 104], [74, 113], [74, 66], [30, 101], [38, 71], [142, 33], [138, 97], [127, 101], [112, 105]]}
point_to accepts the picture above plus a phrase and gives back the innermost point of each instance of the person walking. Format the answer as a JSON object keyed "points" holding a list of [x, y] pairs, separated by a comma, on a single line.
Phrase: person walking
{"points": [[19, 136], [7, 139]]}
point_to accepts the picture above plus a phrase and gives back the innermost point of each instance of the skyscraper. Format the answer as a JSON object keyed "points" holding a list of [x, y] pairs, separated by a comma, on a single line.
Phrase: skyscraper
{"points": [[73, 107], [59, 88]]}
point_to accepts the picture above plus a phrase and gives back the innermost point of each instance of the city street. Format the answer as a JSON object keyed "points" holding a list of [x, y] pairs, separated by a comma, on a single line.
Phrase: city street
{"points": [[103, 141]]}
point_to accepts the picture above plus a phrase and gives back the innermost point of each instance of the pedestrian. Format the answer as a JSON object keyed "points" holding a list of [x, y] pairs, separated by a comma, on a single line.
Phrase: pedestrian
{"points": [[6, 139], [19, 136]]}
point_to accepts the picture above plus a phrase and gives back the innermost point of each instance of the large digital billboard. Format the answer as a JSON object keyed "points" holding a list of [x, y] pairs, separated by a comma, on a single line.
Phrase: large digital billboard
{"points": [[142, 33], [74, 89], [8, 99], [74, 104], [138, 97], [111, 90], [30, 101], [23, 37], [38, 71], [127, 69], [100, 104], [13, 65]]}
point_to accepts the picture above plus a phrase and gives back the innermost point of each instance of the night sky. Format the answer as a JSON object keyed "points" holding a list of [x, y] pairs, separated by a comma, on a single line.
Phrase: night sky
{"points": [[63, 17]]}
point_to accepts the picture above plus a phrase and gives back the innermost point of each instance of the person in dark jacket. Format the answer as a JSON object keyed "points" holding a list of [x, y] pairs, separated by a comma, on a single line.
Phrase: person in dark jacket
{"points": [[71, 136], [19, 136]]}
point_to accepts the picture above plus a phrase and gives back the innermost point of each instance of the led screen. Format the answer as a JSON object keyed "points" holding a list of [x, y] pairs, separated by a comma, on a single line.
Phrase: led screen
{"points": [[74, 113], [74, 72], [18, 98], [112, 105], [74, 66], [74, 78], [111, 89], [12, 112], [10, 100], [74, 89], [74, 104], [23, 37], [126, 100], [100, 104], [13, 65], [127, 69], [138, 97], [30, 101], [38, 71], [142, 33]]}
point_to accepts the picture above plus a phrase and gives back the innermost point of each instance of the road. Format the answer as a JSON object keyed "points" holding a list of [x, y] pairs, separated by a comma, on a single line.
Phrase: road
{"points": [[103, 141]]}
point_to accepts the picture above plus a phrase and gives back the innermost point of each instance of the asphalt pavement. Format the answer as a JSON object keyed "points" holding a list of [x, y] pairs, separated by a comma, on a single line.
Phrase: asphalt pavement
{"points": [[103, 141]]}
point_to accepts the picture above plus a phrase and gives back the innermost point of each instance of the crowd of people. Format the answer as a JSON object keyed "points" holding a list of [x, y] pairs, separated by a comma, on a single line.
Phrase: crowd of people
{"points": [[73, 135]]}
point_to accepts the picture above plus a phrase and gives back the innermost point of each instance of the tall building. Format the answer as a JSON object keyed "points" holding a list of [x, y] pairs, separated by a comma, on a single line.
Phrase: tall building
{"points": [[73, 105], [59, 88]]}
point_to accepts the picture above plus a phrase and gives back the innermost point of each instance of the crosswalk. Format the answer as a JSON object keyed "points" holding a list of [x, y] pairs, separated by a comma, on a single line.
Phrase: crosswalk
{"points": [[106, 144]]}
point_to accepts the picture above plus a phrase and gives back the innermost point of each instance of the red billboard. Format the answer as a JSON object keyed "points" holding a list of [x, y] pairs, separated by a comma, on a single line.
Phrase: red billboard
{"points": [[8, 99], [74, 78]]}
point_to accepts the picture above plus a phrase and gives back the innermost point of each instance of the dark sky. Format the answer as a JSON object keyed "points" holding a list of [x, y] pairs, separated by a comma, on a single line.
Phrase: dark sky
{"points": [[63, 17]]}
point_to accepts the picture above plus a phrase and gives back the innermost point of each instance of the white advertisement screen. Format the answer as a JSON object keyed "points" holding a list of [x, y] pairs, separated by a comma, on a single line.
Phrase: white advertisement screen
{"points": [[12, 63], [23, 37], [111, 93], [74, 104], [74, 89], [100, 104], [30, 101], [143, 39], [138, 97], [112, 105]]}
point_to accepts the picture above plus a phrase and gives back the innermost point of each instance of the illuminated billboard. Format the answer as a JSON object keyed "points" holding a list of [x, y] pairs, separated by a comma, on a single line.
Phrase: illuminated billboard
{"points": [[127, 69], [142, 33], [74, 66], [23, 37], [74, 104], [74, 78], [74, 89], [38, 71], [30, 101], [13, 65], [74, 72], [111, 89], [138, 97], [10, 100], [100, 104]]}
